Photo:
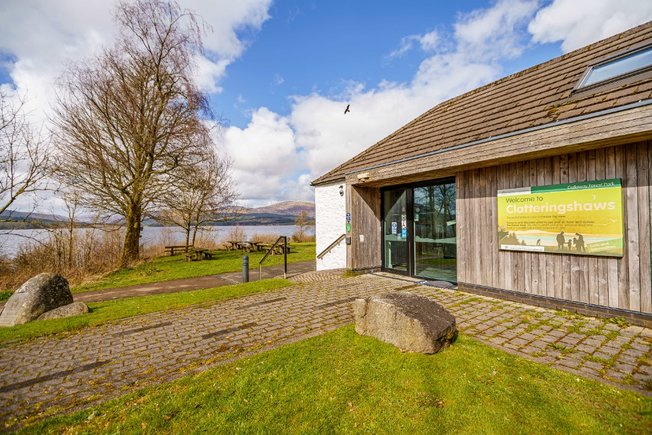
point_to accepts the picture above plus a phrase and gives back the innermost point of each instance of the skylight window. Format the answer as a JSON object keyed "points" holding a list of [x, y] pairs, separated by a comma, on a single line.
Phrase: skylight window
{"points": [[623, 65]]}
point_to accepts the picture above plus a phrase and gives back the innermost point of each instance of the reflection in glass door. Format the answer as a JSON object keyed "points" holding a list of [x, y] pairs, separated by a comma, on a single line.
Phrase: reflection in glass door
{"points": [[435, 244], [395, 228]]}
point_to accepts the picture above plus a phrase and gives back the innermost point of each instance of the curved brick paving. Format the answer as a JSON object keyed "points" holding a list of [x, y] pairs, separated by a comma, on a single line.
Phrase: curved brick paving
{"points": [[52, 375]]}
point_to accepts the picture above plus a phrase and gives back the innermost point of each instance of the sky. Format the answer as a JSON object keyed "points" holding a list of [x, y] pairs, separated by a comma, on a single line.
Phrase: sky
{"points": [[279, 74]]}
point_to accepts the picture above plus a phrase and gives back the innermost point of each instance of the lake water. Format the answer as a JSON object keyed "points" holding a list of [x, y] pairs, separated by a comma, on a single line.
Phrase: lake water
{"points": [[10, 241]]}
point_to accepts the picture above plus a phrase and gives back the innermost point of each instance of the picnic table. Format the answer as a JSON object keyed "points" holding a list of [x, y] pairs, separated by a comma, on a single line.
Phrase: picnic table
{"points": [[246, 246], [278, 249], [250, 246], [233, 245], [171, 249], [196, 254]]}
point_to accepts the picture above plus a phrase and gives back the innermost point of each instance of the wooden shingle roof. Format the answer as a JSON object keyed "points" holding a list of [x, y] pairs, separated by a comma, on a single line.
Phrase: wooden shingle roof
{"points": [[534, 97]]}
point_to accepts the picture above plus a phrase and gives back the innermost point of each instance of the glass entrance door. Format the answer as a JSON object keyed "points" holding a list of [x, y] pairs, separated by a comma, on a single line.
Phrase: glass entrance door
{"points": [[435, 243], [395, 229]]}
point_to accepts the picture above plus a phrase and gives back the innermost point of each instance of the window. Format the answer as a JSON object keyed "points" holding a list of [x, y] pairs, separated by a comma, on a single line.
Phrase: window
{"points": [[623, 65]]}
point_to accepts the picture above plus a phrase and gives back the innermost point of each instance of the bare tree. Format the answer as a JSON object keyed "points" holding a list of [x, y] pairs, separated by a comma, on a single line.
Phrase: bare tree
{"points": [[302, 221], [200, 195], [72, 203], [130, 118], [23, 157]]}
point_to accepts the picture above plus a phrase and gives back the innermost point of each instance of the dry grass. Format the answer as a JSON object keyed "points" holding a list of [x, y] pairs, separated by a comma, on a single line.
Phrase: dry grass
{"points": [[87, 253], [302, 236], [263, 238]]}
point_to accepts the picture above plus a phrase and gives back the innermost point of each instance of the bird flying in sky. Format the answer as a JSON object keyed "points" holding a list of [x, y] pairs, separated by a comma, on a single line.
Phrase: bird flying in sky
{"points": [[347, 110]]}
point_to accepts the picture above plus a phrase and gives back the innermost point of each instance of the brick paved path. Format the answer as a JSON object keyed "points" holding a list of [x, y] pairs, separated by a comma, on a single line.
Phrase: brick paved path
{"points": [[52, 375], [196, 283]]}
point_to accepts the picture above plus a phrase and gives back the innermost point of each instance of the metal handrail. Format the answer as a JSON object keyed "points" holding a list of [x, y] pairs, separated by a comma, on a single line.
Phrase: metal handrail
{"points": [[285, 257], [331, 246]]}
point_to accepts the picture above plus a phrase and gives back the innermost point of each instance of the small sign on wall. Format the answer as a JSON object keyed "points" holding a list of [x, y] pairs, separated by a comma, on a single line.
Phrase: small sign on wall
{"points": [[394, 228]]}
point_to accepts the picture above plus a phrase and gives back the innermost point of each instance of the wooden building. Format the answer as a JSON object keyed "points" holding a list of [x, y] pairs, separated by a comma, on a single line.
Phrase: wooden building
{"points": [[424, 201]]}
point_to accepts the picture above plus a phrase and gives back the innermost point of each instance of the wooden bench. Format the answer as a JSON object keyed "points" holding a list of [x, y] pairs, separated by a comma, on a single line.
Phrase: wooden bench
{"points": [[171, 249]]}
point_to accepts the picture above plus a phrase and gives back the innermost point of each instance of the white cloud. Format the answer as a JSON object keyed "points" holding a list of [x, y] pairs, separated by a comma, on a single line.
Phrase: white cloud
{"points": [[264, 155], [40, 37], [491, 32], [225, 18], [64, 31], [278, 80], [427, 42], [580, 22], [58, 33], [324, 137]]}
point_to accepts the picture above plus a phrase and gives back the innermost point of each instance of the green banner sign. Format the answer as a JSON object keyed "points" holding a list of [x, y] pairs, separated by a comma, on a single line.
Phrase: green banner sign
{"points": [[584, 218]]}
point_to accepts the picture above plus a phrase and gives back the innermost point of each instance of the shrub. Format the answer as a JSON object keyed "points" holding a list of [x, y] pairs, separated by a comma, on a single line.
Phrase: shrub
{"points": [[77, 256], [301, 236]]}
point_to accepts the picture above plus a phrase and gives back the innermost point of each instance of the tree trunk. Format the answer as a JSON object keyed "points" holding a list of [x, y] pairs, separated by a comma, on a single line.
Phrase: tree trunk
{"points": [[194, 234], [131, 248], [188, 237], [71, 243]]}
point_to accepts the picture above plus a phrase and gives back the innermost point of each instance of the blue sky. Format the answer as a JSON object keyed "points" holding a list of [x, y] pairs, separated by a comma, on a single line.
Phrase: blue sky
{"points": [[309, 46], [280, 73]]}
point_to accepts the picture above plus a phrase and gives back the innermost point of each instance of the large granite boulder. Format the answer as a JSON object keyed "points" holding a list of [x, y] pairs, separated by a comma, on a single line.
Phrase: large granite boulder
{"points": [[74, 309], [410, 322], [42, 293]]}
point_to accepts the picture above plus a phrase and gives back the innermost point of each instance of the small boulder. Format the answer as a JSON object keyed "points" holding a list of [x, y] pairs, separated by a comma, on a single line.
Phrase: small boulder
{"points": [[410, 322], [42, 293], [74, 309]]}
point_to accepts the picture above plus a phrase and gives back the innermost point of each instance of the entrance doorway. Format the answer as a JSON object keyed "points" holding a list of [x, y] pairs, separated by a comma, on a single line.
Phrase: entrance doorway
{"points": [[419, 230]]}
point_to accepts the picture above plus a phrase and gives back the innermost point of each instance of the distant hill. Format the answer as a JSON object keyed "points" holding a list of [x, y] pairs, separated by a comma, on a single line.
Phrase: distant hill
{"points": [[289, 208], [12, 219], [282, 213]]}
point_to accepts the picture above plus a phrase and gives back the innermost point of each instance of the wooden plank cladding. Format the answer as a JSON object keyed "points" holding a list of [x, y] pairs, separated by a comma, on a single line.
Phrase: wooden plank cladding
{"points": [[622, 283]]}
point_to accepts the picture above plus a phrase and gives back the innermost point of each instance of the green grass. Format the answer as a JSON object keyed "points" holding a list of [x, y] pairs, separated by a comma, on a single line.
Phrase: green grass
{"points": [[5, 294], [169, 268], [106, 311], [341, 382]]}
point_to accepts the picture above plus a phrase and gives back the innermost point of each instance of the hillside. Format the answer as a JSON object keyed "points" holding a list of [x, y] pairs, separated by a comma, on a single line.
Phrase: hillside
{"points": [[12, 219], [289, 208], [282, 213]]}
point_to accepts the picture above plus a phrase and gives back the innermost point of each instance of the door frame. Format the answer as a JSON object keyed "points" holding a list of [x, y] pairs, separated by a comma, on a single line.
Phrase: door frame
{"points": [[409, 209]]}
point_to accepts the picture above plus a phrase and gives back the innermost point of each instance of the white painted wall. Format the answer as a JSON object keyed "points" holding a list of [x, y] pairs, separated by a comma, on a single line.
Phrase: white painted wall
{"points": [[330, 223]]}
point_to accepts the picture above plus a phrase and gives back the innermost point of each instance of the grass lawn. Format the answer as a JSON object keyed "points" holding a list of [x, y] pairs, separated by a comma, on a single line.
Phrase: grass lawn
{"points": [[341, 382], [102, 312], [168, 268]]}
